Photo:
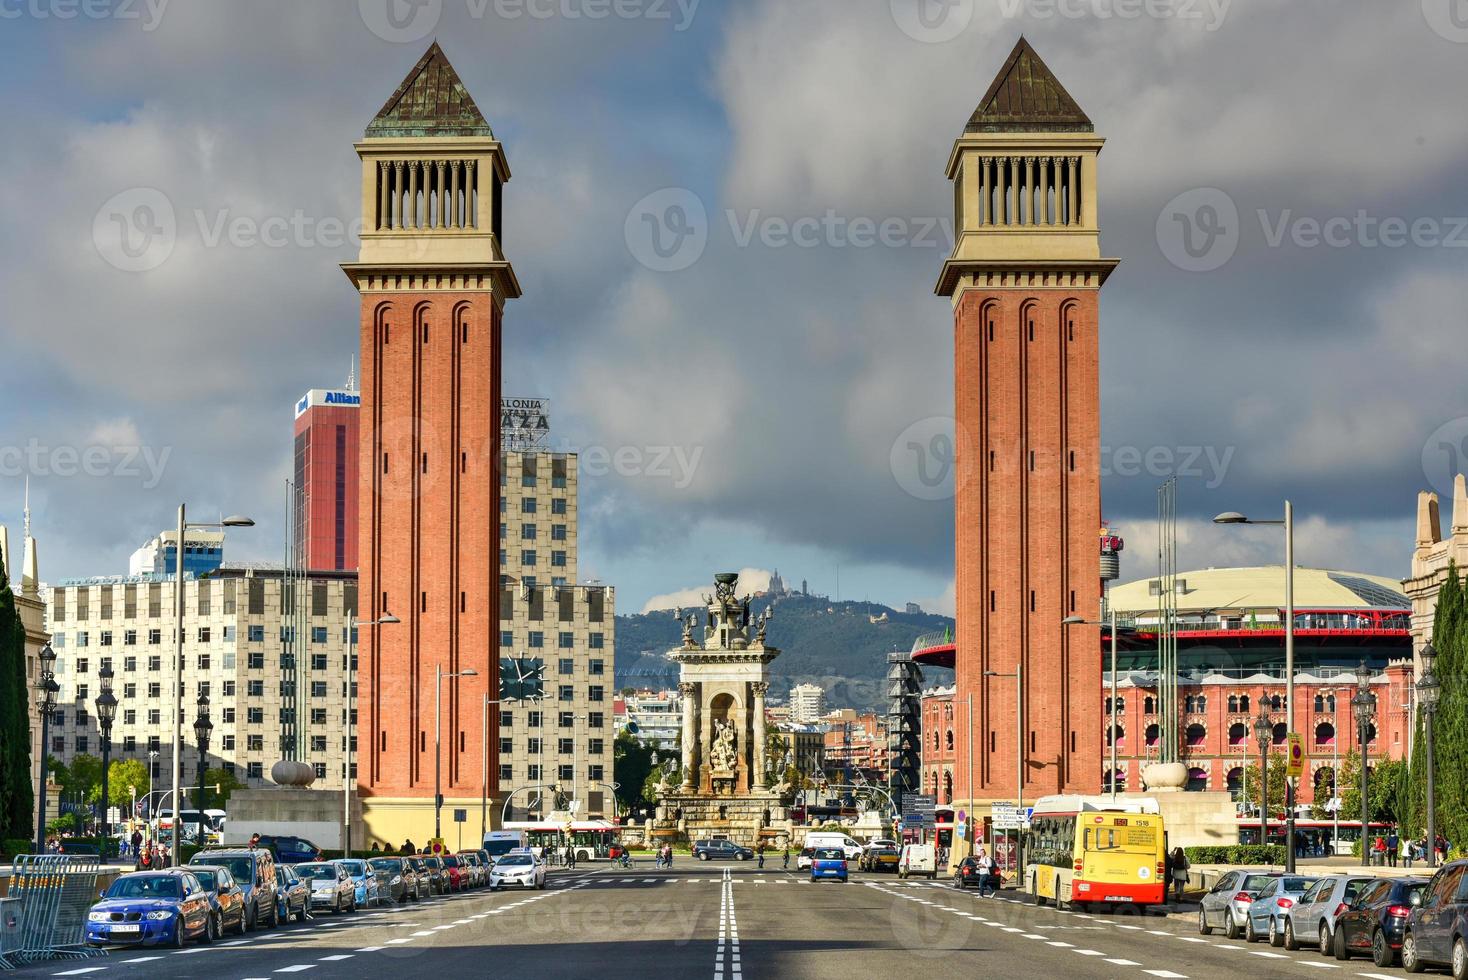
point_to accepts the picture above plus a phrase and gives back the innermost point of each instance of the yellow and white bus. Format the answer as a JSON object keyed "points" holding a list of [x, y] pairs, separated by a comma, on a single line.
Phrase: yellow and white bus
{"points": [[1081, 850]]}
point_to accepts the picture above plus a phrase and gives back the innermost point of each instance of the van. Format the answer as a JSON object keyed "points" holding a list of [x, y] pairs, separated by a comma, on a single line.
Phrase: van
{"points": [[918, 859], [254, 870], [501, 842], [849, 847]]}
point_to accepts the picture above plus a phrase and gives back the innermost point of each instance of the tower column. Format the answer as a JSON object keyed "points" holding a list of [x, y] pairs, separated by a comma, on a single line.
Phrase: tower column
{"points": [[758, 689], [689, 694]]}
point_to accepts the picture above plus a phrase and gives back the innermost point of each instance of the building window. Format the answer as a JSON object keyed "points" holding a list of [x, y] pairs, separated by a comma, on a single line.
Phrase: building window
{"points": [[155, 663], [595, 693], [537, 718], [318, 661], [255, 716], [534, 746], [255, 743], [565, 773], [318, 743], [129, 638], [254, 770], [320, 768], [565, 746], [596, 719], [527, 559], [558, 559], [537, 638], [204, 634], [256, 633], [527, 532], [507, 638], [558, 532], [532, 772], [596, 746], [597, 773], [318, 716], [318, 689], [567, 665], [527, 505], [566, 692], [107, 638], [565, 719], [255, 660], [81, 638], [596, 668], [507, 772], [318, 634], [597, 641], [155, 636], [565, 640], [255, 688], [558, 505]]}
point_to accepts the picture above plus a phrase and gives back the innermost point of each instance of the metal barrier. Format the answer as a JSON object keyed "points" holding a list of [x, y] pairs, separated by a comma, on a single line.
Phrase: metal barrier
{"points": [[45, 915]]}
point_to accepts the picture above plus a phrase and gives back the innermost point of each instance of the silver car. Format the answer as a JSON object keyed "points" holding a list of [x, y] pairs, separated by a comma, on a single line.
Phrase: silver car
{"points": [[331, 887], [1226, 905], [1266, 913], [518, 869], [1312, 920]]}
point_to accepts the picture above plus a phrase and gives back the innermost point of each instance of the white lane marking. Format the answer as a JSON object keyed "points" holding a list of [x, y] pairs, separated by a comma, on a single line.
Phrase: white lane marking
{"points": [[1378, 976], [1266, 953], [369, 949], [1195, 939], [143, 959], [1117, 961], [338, 956], [398, 942], [1120, 926], [77, 973], [1057, 942], [1090, 952], [1323, 966], [1167, 974], [297, 968], [422, 932]]}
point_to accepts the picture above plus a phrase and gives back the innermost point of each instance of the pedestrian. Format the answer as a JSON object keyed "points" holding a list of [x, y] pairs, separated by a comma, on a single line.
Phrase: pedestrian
{"points": [[375, 848], [1179, 873], [254, 840], [570, 858], [1378, 851], [985, 865], [760, 851], [1393, 845], [408, 847], [786, 863]]}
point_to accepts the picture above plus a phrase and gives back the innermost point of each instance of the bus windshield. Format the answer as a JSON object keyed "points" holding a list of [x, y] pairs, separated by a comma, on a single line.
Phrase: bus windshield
{"points": [[1124, 840]]}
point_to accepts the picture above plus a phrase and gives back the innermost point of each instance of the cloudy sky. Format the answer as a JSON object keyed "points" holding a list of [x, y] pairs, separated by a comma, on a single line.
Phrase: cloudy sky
{"points": [[745, 366]]}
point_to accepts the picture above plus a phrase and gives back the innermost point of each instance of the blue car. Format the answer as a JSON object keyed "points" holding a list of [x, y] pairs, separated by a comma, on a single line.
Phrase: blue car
{"points": [[364, 880], [151, 908], [828, 862]]}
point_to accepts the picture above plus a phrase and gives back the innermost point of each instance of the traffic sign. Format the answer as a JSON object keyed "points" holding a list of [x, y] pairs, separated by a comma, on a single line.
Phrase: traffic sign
{"points": [[960, 828], [461, 816], [1295, 763], [1006, 816]]}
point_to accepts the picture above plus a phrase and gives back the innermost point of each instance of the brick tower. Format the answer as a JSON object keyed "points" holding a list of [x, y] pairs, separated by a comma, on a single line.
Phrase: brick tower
{"points": [[1024, 279], [433, 279]]}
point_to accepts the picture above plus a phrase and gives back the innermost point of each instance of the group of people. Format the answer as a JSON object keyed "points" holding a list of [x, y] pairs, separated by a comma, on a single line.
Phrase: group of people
{"points": [[147, 854], [664, 857], [1388, 848]]}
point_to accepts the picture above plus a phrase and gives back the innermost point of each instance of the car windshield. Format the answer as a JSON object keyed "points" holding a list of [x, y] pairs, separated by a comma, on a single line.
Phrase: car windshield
{"points": [[514, 861], [207, 878], [1254, 883], [321, 872], [829, 854], [1297, 884], [238, 866], [1411, 894], [355, 868], [145, 886], [451, 861], [392, 865]]}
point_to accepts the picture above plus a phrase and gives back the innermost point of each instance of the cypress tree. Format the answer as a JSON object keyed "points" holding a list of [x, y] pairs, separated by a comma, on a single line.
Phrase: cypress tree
{"points": [[16, 795], [1450, 724]]}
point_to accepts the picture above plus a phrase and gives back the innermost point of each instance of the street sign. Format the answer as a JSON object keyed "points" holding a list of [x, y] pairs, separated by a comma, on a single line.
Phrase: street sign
{"points": [[1006, 816], [461, 816], [919, 803], [960, 828], [1295, 763]]}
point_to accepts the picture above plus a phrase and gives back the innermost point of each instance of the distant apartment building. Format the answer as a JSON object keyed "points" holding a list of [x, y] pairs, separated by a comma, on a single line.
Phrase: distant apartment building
{"points": [[803, 746], [854, 740], [326, 486], [807, 704], [203, 552], [270, 653], [563, 743], [658, 716]]}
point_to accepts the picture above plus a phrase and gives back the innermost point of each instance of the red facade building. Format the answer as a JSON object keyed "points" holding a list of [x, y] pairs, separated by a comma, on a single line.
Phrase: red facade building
{"points": [[327, 481]]}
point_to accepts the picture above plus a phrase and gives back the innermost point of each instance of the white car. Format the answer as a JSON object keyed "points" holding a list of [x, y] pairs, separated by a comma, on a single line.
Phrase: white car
{"points": [[517, 870], [882, 842]]}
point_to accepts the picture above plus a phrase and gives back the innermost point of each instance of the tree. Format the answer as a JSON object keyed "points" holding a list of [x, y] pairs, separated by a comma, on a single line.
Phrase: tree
{"points": [[1276, 783], [124, 778], [1450, 724], [17, 798], [1383, 786], [631, 764]]}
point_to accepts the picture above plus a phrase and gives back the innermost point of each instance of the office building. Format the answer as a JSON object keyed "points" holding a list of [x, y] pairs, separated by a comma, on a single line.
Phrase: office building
{"points": [[327, 483], [807, 704]]}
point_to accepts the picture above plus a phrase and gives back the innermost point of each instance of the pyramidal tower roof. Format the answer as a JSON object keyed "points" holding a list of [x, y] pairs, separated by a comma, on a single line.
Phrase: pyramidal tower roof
{"points": [[1026, 97], [431, 101]]}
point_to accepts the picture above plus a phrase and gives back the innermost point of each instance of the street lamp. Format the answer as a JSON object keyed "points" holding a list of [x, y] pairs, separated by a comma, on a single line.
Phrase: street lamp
{"points": [[1081, 621], [184, 526], [1428, 691], [353, 624], [438, 676], [106, 713], [1263, 732], [1019, 741], [46, 691], [202, 729], [1363, 705], [1233, 517]]}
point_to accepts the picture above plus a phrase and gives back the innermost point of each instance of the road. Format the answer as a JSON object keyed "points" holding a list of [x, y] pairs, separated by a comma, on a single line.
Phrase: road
{"points": [[731, 921]]}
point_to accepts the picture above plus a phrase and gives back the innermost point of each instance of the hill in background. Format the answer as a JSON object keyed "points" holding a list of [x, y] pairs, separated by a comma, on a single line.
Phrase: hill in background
{"points": [[833, 644]]}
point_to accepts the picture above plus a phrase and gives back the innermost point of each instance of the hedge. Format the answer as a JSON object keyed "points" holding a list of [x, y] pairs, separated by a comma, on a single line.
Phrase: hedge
{"points": [[1236, 854]]}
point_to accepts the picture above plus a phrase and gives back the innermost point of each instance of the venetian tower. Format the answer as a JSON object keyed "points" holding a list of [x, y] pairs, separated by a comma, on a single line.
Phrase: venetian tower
{"points": [[433, 280], [1024, 279]]}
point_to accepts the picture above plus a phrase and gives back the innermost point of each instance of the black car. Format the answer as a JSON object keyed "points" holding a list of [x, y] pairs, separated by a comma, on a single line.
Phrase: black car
{"points": [[708, 850], [968, 874], [1372, 924], [1437, 929]]}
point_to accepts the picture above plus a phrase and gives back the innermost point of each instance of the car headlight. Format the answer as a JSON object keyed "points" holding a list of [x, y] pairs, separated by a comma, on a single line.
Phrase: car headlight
{"points": [[160, 914], [396, 880], [99, 916]]}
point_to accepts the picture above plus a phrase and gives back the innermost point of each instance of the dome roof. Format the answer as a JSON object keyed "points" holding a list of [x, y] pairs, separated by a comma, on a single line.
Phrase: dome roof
{"points": [[1262, 588]]}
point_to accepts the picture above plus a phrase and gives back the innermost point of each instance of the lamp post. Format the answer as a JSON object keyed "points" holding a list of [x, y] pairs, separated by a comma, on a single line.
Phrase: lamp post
{"points": [[1019, 741], [46, 691], [1263, 731], [1111, 621], [438, 677], [1364, 707], [202, 729], [1428, 691], [176, 695], [106, 703], [353, 625], [1233, 517]]}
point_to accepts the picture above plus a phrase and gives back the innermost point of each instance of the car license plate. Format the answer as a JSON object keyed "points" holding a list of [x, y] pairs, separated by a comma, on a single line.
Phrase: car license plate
{"points": [[127, 929], [1117, 898]]}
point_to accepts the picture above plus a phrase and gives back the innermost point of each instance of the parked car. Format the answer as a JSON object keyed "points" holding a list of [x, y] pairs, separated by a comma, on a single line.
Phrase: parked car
{"points": [[294, 893], [68, 846], [150, 908], [1226, 905], [723, 850], [829, 862], [1437, 929], [879, 859], [227, 899], [478, 873], [918, 859], [1312, 920], [430, 878], [437, 874], [367, 893], [396, 880], [804, 858], [458, 874], [518, 869], [968, 875], [331, 887], [290, 850], [255, 872], [1373, 923], [1266, 914], [882, 842]]}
